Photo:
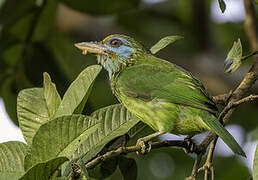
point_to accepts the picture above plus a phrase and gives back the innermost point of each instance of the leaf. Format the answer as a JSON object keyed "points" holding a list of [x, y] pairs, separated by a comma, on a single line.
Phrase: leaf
{"points": [[78, 91], [7, 17], [32, 111], [163, 43], [45, 20], [128, 168], [234, 56], [9, 96], [222, 5], [138, 131], [256, 1], [104, 169], [43, 171], [51, 95], [114, 120], [59, 137], [255, 166], [21, 28], [254, 135], [13, 54], [102, 7], [12, 155]]}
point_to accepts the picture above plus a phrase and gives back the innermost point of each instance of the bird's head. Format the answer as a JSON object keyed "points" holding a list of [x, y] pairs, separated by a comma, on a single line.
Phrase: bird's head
{"points": [[114, 52]]}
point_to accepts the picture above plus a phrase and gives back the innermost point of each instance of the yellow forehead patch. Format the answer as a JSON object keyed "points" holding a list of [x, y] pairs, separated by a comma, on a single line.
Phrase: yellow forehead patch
{"points": [[110, 36]]}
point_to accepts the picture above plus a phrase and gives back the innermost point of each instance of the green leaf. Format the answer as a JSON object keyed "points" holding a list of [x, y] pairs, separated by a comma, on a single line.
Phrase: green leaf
{"points": [[138, 131], [114, 120], [7, 17], [12, 155], [9, 96], [78, 92], [21, 28], [13, 54], [104, 169], [45, 20], [256, 1], [128, 168], [234, 57], [254, 135], [43, 171], [163, 43], [222, 5], [255, 166], [32, 111], [102, 7], [51, 95], [59, 137]]}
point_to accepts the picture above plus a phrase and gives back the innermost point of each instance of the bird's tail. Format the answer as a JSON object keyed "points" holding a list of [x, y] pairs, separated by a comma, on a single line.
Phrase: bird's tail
{"points": [[217, 127]]}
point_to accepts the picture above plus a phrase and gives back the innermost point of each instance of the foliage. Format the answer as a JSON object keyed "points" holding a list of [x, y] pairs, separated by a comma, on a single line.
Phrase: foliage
{"points": [[56, 132], [255, 166], [32, 43], [233, 60], [222, 5], [163, 43]]}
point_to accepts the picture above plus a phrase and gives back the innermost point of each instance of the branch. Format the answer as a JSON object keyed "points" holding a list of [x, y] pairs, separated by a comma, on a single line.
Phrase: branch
{"points": [[126, 150], [251, 24], [235, 104], [222, 98]]}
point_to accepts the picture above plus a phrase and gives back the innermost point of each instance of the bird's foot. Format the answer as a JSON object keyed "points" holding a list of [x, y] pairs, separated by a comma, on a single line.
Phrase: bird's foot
{"points": [[145, 146], [190, 145]]}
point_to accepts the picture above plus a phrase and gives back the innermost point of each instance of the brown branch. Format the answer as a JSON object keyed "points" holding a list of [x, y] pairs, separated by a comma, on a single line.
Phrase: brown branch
{"points": [[235, 104], [251, 24], [208, 167], [126, 150], [222, 98]]}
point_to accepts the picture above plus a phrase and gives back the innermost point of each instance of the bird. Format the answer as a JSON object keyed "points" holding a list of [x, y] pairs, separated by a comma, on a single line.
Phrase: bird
{"points": [[161, 94]]}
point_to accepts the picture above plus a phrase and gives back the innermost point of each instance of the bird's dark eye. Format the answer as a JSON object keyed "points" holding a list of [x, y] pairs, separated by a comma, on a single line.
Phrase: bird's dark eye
{"points": [[116, 43]]}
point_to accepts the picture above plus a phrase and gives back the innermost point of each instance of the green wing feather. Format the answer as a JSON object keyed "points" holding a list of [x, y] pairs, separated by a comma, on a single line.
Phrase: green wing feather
{"points": [[224, 135], [154, 78]]}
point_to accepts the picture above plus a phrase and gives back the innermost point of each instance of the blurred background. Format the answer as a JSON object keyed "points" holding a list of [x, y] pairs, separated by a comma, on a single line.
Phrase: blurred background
{"points": [[37, 36]]}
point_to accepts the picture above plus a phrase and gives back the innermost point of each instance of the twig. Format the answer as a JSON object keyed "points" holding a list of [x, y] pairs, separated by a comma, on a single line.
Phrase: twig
{"points": [[250, 55], [223, 98], [251, 24], [126, 150], [235, 104], [208, 167]]}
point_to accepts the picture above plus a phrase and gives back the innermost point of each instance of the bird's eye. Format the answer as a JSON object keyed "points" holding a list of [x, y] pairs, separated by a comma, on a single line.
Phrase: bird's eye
{"points": [[115, 43]]}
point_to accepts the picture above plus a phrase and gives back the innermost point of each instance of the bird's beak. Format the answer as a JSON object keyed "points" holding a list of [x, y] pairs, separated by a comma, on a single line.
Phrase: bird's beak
{"points": [[92, 47]]}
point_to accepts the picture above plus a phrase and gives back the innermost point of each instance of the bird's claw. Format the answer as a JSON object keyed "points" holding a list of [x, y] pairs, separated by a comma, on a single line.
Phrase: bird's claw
{"points": [[145, 146], [190, 145]]}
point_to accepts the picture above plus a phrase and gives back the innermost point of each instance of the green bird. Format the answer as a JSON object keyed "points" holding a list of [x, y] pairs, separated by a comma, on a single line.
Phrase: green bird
{"points": [[161, 94]]}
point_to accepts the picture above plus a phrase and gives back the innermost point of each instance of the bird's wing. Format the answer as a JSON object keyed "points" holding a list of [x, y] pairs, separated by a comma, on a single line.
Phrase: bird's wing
{"points": [[165, 82]]}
